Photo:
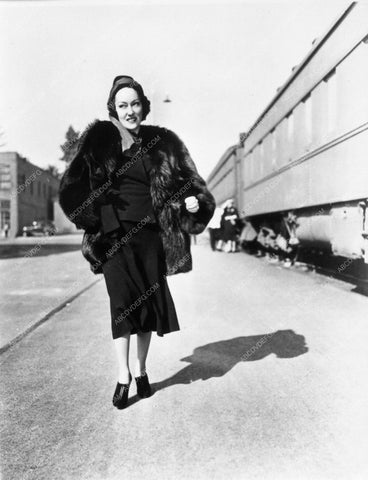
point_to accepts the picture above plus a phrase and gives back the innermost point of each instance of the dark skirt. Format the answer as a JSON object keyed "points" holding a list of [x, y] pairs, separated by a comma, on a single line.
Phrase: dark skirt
{"points": [[140, 299], [230, 231]]}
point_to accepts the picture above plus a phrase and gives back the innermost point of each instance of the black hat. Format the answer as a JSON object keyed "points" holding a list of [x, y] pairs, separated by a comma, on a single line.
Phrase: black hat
{"points": [[122, 81]]}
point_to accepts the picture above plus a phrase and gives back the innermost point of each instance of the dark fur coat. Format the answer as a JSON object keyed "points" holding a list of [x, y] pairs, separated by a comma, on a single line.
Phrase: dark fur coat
{"points": [[87, 187]]}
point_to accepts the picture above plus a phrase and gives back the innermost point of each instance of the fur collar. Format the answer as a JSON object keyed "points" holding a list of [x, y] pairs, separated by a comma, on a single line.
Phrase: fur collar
{"points": [[173, 177]]}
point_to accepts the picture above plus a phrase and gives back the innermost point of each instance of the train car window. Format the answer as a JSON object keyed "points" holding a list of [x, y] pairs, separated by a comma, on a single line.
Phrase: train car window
{"points": [[307, 100], [248, 175], [257, 163], [260, 151], [290, 126], [273, 147], [331, 96]]}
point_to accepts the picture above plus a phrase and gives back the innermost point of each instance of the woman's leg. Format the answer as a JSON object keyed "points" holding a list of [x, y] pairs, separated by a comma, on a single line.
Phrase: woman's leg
{"points": [[143, 343], [122, 351]]}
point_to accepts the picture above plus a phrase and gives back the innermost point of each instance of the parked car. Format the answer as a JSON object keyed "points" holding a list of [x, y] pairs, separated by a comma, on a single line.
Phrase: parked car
{"points": [[39, 228]]}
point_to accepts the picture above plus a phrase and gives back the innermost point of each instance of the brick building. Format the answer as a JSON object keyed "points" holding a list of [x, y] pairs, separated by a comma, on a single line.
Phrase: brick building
{"points": [[27, 193]]}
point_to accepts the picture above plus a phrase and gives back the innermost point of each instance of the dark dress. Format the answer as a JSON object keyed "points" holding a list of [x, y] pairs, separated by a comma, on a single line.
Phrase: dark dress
{"points": [[140, 299], [230, 229]]}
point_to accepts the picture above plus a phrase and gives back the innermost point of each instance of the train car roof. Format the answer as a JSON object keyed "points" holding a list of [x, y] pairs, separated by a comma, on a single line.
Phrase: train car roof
{"points": [[224, 157], [317, 44]]}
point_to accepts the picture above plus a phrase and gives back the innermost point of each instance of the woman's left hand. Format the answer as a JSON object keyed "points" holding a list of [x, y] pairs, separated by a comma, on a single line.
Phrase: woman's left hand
{"points": [[192, 204]]}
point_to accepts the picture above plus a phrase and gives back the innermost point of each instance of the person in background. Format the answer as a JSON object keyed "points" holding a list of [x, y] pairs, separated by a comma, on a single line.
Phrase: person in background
{"points": [[220, 243], [248, 237], [214, 228], [230, 219]]}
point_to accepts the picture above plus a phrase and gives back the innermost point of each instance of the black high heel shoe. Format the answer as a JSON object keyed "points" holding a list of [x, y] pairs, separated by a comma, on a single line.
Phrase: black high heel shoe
{"points": [[143, 386], [120, 398]]}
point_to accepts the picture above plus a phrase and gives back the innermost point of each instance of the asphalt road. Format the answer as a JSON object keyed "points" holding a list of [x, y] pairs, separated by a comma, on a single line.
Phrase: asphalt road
{"points": [[37, 276], [267, 379]]}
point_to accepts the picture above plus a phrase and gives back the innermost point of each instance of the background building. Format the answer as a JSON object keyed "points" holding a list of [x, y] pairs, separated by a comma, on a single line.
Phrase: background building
{"points": [[27, 193]]}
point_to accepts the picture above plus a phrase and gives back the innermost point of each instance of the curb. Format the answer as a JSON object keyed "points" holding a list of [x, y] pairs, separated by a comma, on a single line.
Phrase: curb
{"points": [[51, 313]]}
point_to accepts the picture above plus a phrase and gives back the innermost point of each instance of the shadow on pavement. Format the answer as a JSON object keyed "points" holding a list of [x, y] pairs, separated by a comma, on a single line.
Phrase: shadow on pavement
{"points": [[218, 358], [36, 249]]}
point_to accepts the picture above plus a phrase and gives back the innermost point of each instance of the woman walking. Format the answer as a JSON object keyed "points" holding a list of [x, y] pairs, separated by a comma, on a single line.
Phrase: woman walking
{"points": [[137, 194]]}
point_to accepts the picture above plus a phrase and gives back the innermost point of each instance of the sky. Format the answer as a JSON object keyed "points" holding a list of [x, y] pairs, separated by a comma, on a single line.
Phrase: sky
{"points": [[219, 62]]}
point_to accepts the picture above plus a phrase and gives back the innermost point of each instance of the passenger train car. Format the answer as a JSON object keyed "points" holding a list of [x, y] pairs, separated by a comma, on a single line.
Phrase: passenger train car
{"points": [[300, 174]]}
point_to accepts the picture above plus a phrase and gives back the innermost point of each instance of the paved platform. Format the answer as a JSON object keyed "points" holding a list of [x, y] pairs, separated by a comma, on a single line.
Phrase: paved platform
{"points": [[267, 379], [38, 275]]}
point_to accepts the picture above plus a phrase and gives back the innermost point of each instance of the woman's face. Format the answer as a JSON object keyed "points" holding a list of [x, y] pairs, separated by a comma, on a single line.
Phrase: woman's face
{"points": [[129, 108]]}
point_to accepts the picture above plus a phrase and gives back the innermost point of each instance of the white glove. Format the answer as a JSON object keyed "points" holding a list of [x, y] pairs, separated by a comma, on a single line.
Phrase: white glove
{"points": [[192, 204]]}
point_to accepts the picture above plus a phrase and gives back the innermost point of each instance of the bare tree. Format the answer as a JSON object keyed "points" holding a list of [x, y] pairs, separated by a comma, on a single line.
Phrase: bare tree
{"points": [[53, 170]]}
